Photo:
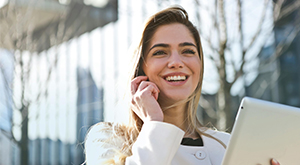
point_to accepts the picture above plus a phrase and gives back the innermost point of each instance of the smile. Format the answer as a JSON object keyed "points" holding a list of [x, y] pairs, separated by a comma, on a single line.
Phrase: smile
{"points": [[175, 78]]}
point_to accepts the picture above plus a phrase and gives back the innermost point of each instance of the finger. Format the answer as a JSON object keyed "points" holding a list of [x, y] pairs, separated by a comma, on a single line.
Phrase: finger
{"points": [[156, 91], [155, 94], [136, 82], [145, 84], [150, 88], [274, 162], [156, 87]]}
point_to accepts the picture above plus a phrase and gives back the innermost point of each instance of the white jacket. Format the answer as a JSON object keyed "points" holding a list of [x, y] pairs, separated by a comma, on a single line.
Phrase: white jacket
{"points": [[159, 144]]}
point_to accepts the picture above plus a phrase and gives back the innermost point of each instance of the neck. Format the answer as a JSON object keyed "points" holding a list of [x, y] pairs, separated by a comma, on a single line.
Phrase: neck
{"points": [[176, 115]]}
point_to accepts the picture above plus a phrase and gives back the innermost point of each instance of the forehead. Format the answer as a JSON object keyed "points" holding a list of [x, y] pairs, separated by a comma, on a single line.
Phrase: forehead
{"points": [[172, 34]]}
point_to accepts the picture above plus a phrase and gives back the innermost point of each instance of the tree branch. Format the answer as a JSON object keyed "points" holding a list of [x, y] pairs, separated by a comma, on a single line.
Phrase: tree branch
{"points": [[288, 9], [9, 136], [214, 50], [205, 104], [222, 43], [283, 45], [277, 9], [265, 84], [208, 38], [222, 28], [259, 28], [240, 71]]}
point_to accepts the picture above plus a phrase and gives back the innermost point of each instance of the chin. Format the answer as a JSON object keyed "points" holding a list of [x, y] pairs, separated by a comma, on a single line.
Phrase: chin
{"points": [[175, 97]]}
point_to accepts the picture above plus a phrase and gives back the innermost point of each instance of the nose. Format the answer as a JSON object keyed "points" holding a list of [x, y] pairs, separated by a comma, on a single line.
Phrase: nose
{"points": [[175, 61]]}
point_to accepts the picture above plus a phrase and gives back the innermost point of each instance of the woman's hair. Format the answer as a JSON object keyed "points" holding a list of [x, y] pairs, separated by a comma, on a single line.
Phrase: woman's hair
{"points": [[131, 131], [165, 17]]}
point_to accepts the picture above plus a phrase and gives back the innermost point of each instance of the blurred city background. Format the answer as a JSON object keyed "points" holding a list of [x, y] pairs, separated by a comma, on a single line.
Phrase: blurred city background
{"points": [[64, 66]]}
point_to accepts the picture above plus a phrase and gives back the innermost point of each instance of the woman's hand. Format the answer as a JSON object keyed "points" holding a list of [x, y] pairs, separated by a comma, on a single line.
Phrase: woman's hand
{"points": [[274, 162], [144, 99]]}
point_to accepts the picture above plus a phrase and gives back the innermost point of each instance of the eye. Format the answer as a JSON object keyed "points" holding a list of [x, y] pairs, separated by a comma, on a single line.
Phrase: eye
{"points": [[159, 52], [188, 51]]}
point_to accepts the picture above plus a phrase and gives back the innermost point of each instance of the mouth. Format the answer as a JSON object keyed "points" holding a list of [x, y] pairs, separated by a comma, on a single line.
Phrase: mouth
{"points": [[175, 78]]}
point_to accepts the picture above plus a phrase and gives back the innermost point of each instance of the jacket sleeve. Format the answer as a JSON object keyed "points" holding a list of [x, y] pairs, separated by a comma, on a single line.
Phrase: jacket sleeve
{"points": [[156, 144]]}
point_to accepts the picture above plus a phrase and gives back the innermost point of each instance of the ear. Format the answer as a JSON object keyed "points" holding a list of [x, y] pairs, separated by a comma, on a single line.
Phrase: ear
{"points": [[139, 68], [141, 72]]}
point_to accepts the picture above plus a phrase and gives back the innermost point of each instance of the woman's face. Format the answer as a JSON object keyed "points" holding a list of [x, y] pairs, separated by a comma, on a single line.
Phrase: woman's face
{"points": [[172, 62]]}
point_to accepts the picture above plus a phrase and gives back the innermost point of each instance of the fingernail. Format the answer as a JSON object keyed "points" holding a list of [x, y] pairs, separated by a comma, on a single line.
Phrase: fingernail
{"points": [[275, 161]]}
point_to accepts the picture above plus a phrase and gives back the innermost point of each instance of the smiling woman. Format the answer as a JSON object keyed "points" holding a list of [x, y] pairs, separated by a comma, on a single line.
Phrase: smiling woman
{"points": [[173, 63], [165, 90]]}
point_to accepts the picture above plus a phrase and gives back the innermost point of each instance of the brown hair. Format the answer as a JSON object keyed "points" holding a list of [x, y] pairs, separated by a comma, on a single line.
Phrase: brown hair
{"points": [[170, 15]]}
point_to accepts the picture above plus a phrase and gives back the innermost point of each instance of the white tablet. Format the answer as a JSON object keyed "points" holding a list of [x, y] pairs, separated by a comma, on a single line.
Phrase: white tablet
{"points": [[264, 130]]}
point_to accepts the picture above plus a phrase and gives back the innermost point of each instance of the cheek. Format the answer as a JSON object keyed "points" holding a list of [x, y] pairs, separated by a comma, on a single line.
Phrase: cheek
{"points": [[152, 67], [145, 69], [195, 65], [197, 70], [150, 72]]}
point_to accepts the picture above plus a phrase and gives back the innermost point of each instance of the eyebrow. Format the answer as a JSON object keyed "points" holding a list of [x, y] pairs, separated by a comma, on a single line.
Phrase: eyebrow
{"points": [[166, 45], [187, 44], [159, 45]]}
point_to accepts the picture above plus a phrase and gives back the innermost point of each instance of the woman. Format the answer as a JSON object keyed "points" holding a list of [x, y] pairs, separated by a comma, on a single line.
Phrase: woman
{"points": [[165, 87]]}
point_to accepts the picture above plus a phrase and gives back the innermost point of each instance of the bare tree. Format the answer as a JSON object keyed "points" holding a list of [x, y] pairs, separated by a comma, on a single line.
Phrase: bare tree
{"points": [[32, 26], [226, 50], [18, 27]]}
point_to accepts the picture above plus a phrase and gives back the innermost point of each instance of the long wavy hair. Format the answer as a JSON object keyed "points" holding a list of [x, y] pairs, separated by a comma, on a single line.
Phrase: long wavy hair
{"points": [[168, 16], [130, 132]]}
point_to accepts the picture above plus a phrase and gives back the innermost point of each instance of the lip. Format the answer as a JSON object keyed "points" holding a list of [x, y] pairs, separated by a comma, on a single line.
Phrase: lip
{"points": [[176, 83]]}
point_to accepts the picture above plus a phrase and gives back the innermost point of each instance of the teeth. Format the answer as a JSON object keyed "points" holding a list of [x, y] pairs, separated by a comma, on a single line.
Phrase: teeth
{"points": [[175, 78]]}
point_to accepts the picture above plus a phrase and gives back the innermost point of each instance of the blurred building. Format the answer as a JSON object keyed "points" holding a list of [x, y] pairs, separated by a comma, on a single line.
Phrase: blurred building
{"points": [[89, 112], [72, 100], [90, 107], [6, 78], [9, 153], [289, 59], [279, 78]]}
